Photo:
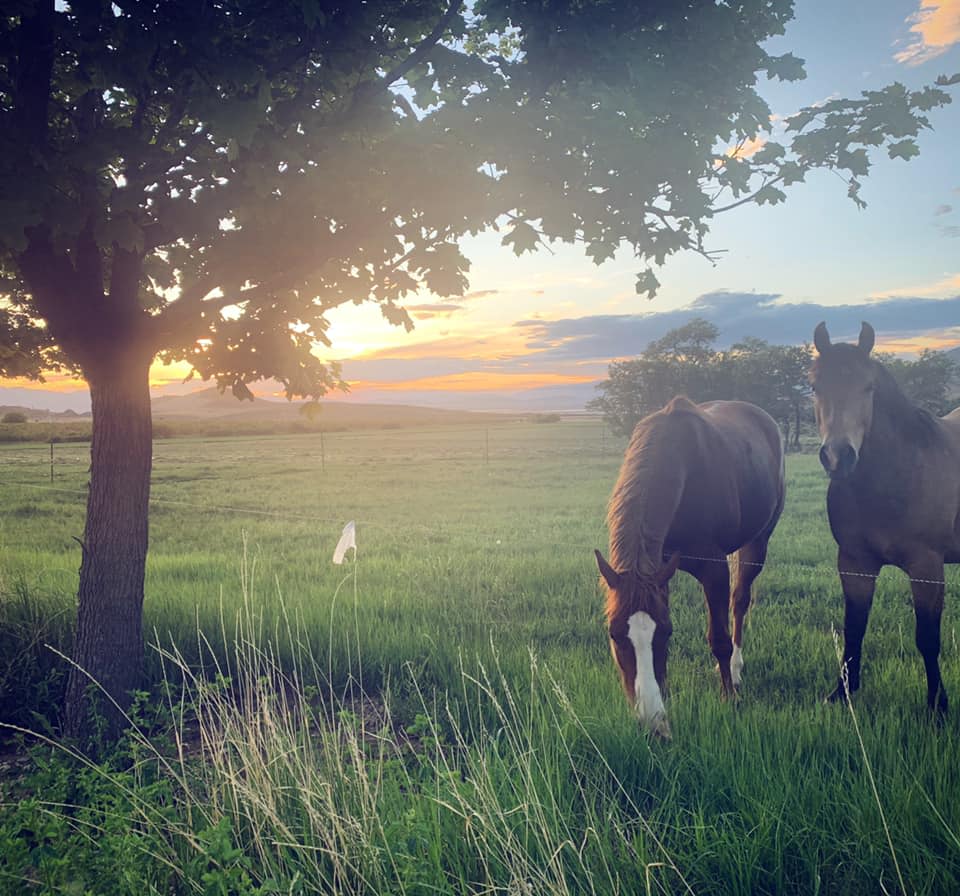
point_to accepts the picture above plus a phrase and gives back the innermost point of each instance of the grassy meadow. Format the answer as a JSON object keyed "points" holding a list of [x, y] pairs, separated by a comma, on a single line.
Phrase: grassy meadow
{"points": [[441, 714]]}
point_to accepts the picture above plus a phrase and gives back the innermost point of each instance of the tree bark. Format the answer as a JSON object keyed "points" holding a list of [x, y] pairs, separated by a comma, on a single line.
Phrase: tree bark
{"points": [[108, 650]]}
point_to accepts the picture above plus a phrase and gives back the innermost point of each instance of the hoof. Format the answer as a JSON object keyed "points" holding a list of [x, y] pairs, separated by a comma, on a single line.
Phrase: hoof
{"points": [[660, 728]]}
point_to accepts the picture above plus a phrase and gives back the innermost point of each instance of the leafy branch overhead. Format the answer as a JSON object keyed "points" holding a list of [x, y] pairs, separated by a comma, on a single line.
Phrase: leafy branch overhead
{"points": [[209, 180]]}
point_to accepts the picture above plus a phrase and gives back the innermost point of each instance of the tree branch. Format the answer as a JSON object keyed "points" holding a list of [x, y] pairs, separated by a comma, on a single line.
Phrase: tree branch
{"points": [[751, 198], [35, 49], [423, 48], [181, 317]]}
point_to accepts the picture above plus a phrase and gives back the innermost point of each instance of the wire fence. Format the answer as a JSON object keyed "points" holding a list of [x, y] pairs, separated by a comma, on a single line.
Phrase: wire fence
{"points": [[470, 445]]}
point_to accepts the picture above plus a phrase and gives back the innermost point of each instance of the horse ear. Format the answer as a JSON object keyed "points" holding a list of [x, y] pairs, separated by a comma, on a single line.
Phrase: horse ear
{"points": [[610, 575], [867, 337], [821, 338], [668, 569]]}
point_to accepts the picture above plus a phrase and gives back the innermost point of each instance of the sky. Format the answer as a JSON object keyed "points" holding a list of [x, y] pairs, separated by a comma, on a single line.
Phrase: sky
{"points": [[546, 326]]}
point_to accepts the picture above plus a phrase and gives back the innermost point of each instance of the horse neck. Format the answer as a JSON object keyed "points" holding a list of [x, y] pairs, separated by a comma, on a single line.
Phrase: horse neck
{"points": [[887, 445], [642, 506]]}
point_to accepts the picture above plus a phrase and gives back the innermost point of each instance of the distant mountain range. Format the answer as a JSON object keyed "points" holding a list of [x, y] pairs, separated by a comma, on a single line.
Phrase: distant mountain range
{"points": [[40, 404], [33, 413], [212, 404], [368, 408]]}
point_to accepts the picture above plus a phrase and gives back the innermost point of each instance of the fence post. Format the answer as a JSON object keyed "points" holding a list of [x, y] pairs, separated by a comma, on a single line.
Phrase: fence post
{"points": [[323, 454], [51, 460]]}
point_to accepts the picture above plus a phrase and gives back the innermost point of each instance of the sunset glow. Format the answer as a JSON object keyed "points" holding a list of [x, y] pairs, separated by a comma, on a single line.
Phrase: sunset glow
{"points": [[935, 28], [478, 382], [553, 320]]}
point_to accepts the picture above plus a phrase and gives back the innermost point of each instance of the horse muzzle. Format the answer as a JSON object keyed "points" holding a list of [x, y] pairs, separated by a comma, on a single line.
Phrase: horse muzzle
{"points": [[839, 459]]}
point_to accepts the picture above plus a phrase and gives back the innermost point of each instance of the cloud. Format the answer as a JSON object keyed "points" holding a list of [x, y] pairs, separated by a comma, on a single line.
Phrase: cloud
{"points": [[435, 309], [425, 312], [943, 210], [745, 149], [582, 347], [737, 316], [479, 381], [947, 287], [481, 293], [934, 28]]}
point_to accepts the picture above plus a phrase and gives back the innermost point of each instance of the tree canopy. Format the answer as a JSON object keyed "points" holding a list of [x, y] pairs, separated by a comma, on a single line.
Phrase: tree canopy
{"points": [[685, 361], [217, 176], [204, 181]]}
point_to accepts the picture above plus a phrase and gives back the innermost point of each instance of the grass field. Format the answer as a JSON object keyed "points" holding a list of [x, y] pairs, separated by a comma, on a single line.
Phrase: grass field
{"points": [[492, 750]]}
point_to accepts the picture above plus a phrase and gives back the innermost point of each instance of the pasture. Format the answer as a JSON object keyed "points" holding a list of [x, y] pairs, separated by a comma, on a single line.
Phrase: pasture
{"points": [[477, 739]]}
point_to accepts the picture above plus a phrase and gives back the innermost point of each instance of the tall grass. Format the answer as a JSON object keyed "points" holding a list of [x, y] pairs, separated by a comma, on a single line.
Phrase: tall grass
{"points": [[445, 717], [276, 785]]}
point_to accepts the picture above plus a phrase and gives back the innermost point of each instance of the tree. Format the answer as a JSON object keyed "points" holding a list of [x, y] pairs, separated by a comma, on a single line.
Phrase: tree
{"points": [[928, 380], [684, 361], [14, 417], [775, 378], [203, 181]]}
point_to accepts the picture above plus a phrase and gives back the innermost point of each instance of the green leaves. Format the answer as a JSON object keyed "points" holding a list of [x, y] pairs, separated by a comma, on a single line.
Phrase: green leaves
{"points": [[351, 149], [786, 67], [769, 195], [648, 283], [523, 237], [903, 149]]}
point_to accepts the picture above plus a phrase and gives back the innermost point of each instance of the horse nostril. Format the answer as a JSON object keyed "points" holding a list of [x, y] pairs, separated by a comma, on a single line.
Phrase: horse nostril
{"points": [[848, 457]]}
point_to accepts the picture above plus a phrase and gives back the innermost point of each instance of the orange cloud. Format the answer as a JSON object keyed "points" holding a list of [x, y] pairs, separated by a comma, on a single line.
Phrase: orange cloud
{"points": [[935, 29], [476, 381], [499, 344], [52, 382], [945, 288], [747, 148], [913, 345]]}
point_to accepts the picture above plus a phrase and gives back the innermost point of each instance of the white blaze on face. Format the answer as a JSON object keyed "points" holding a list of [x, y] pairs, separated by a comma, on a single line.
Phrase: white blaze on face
{"points": [[647, 697], [736, 666]]}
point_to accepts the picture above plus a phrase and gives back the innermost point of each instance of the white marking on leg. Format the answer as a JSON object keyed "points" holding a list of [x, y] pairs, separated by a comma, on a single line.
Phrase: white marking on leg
{"points": [[648, 700], [736, 666]]}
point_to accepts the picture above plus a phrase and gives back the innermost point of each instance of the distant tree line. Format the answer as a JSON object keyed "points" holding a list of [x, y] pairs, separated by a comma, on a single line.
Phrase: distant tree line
{"points": [[685, 361]]}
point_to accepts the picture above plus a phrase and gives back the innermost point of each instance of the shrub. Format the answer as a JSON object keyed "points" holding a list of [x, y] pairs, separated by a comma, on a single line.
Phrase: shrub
{"points": [[14, 417]]}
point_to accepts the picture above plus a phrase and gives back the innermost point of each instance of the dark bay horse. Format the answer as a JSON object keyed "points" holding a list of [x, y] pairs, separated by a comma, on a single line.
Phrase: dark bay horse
{"points": [[894, 494], [698, 482]]}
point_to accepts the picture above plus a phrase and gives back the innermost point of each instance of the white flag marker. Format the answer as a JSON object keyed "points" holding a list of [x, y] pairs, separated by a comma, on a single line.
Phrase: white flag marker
{"points": [[347, 540]]}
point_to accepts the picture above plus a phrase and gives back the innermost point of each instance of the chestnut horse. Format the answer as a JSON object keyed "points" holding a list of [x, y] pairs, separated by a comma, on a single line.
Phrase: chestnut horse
{"points": [[894, 494], [698, 482]]}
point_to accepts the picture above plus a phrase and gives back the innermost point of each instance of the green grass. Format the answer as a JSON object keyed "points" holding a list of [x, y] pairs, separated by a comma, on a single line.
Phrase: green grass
{"points": [[493, 750]]}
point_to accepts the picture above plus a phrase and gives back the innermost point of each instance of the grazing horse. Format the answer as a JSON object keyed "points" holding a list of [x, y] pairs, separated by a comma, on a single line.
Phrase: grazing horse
{"points": [[894, 494], [698, 482]]}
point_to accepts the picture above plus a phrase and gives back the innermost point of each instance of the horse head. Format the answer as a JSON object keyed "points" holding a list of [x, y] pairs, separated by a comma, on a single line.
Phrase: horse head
{"points": [[843, 378], [638, 618]]}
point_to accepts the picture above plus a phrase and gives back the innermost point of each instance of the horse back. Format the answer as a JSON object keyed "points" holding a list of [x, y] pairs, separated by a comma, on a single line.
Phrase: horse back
{"points": [[735, 478]]}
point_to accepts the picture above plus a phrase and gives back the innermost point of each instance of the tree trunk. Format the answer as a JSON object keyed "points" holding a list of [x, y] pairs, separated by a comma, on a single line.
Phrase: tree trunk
{"points": [[108, 648]]}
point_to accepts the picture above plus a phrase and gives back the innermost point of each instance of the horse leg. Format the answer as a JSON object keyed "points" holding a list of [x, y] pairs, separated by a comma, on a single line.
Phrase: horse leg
{"points": [[750, 560], [926, 581], [715, 578], [858, 578]]}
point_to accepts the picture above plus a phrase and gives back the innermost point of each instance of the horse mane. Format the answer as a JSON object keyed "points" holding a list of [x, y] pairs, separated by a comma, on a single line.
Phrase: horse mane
{"points": [[910, 419], [645, 487]]}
